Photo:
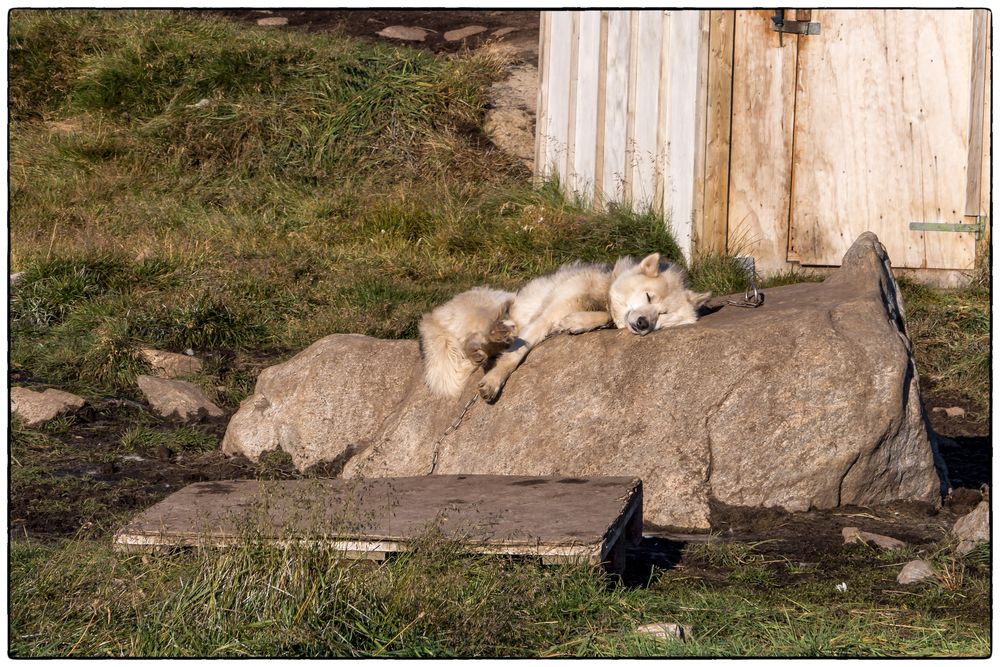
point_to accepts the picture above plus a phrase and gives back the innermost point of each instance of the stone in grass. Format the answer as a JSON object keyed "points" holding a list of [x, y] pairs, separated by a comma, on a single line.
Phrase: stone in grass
{"points": [[272, 21], [177, 399], [914, 571], [16, 278], [951, 412], [972, 528], [666, 631], [405, 33], [852, 535], [463, 33], [170, 364], [37, 407]]}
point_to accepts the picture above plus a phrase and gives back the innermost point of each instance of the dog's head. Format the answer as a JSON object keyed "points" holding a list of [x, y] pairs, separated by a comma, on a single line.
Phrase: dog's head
{"points": [[650, 295]]}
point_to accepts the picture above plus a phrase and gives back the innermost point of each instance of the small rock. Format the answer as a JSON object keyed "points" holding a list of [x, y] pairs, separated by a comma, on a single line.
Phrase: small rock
{"points": [[914, 571], [189, 352], [462, 33], [972, 528], [951, 412], [16, 278], [177, 398], [503, 31], [273, 20], [170, 364], [666, 631], [404, 33], [852, 535], [164, 453], [201, 104], [38, 407], [108, 468], [841, 587]]}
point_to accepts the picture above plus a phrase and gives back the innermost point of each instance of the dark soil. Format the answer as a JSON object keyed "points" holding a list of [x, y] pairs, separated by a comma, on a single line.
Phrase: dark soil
{"points": [[367, 22]]}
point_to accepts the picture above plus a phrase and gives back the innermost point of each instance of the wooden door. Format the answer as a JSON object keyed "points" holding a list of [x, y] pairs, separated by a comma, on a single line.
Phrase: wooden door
{"points": [[873, 124]]}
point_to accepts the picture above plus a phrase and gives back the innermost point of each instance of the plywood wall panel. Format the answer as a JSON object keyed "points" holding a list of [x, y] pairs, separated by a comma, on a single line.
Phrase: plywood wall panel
{"points": [[881, 135], [761, 140]]}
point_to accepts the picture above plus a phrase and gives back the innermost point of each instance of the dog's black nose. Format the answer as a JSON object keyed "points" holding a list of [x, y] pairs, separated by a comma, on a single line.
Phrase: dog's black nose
{"points": [[642, 323]]}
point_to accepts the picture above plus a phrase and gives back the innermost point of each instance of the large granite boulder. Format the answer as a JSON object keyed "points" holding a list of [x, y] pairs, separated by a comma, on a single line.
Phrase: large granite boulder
{"points": [[811, 400]]}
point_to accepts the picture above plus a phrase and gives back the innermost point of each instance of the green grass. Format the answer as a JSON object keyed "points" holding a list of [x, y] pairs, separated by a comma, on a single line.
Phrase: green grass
{"points": [[78, 598], [950, 330]]}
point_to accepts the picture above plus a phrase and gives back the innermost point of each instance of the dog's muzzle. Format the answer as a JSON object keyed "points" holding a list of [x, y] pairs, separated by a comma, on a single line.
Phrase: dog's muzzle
{"points": [[641, 325]]}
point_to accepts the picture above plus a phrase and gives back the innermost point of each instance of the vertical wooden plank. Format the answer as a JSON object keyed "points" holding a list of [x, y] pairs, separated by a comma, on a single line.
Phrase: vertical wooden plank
{"points": [[616, 108], [568, 171], [600, 121], [685, 48], [976, 113], [649, 25], [662, 121], [900, 157], [556, 123], [633, 57], [585, 134], [701, 125], [541, 105], [712, 231], [761, 140], [985, 178]]}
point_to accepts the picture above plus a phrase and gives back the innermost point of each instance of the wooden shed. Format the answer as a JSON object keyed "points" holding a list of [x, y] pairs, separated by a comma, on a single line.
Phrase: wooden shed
{"points": [[778, 134]]}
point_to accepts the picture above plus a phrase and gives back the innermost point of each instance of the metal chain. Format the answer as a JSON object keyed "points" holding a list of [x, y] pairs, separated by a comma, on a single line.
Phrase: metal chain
{"points": [[451, 429], [752, 297]]}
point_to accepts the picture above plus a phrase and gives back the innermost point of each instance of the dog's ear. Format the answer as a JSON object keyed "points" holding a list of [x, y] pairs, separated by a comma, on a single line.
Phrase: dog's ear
{"points": [[650, 266], [621, 266], [698, 299]]}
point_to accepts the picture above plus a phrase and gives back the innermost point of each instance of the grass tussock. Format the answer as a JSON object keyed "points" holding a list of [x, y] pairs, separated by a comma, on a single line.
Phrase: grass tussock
{"points": [[255, 600]]}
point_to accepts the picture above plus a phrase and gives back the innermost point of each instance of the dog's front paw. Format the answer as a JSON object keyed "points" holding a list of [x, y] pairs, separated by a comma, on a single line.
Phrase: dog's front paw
{"points": [[489, 388], [503, 332]]}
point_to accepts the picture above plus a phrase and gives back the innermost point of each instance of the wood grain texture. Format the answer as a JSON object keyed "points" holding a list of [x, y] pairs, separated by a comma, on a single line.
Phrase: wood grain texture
{"points": [[976, 113], [541, 105], [711, 232], [687, 46], [649, 27], [633, 58], [985, 191], [761, 140], [601, 119], [571, 517], [616, 108], [556, 123], [567, 171], [881, 135], [582, 172]]}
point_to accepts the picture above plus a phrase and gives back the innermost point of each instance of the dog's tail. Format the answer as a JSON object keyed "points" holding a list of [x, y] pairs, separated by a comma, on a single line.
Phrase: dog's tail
{"points": [[446, 368]]}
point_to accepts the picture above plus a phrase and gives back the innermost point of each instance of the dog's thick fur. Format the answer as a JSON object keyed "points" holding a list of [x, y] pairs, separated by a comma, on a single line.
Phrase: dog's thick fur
{"points": [[638, 296], [459, 336]]}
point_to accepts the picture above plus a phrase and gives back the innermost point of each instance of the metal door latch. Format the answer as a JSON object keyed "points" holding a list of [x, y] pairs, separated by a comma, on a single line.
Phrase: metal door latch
{"points": [[780, 24]]}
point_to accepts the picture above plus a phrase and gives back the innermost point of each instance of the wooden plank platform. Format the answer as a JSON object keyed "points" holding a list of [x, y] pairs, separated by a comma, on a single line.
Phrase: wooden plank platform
{"points": [[560, 519]]}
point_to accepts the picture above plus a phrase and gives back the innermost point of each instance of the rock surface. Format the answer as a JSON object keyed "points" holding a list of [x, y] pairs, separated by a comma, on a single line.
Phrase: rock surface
{"points": [[809, 401], [914, 571], [405, 33], [170, 364], [852, 535], [273, 21], [667, 631], [177, 399], [37, 407], [463, 33], [972, 528]]}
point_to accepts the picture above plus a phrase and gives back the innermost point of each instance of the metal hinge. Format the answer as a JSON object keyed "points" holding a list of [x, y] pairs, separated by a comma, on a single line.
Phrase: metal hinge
{"points": [[780, 24], [967, 228]]}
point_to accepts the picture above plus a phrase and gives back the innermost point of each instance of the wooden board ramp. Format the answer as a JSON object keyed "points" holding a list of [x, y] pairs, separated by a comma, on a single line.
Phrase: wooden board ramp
{"points": [[560, 519]]}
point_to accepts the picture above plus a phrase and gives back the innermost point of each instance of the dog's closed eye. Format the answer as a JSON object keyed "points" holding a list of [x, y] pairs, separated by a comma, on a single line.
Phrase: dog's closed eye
{"points": [[649, 298]]}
